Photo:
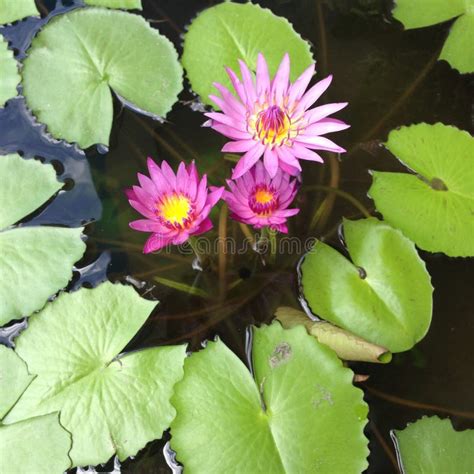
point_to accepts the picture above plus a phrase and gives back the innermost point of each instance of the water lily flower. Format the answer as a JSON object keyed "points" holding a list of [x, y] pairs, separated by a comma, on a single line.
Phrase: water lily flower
{"points": [[257, 199], [274, 118], [175, 206]]}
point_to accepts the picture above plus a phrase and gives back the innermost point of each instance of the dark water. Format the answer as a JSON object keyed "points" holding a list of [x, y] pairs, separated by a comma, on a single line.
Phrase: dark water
{"points": [[390, 78]]}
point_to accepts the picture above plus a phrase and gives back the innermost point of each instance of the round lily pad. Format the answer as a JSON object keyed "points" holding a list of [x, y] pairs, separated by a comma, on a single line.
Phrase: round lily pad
{"points": [[384, 295], [458, 50], [8, 73], [435, 206], [299, 412], [431, 445], [77, 59], [36, 261], [221, 35], [39, 444], [109, 401], [13, 10]]}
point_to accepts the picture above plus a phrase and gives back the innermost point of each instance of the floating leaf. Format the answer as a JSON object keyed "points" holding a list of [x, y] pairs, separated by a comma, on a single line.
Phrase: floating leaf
{"points": [[8, 73], [36, 261], [431, 445], [300, 414], [79, 56], [435, 207], [13, 10], [383, 296], [38, 445], [110, 402], [227, 32], [346, 345], [458, 49], [126, 4]]}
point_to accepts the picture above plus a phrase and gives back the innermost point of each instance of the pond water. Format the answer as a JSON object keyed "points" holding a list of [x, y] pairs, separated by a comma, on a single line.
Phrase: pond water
{"points": [[390, 78]]}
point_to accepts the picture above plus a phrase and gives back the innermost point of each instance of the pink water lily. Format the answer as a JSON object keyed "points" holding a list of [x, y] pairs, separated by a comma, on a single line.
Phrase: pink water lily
{"points": [[175, 206], [274, 118], [257, 199]]}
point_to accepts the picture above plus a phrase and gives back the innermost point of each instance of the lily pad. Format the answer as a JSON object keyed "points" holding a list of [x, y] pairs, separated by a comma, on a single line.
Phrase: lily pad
{"points": [[8, 73], [431, 445], [125, 4], [458, 49], [36, 261], [298, 413], [77, 59], [384, 295], [110, 402], [346, 345], [38, 445], [223, 34], [435, 206], [13, 10]]}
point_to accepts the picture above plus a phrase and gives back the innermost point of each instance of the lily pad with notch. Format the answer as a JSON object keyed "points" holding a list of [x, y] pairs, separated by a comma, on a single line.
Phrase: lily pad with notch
{"points": [[36, 260], [434, 207], [457, 49], [38, 444], [383, 296], [432, 445], [78, 57], [109, 401], [297, 412], [230, 31]]}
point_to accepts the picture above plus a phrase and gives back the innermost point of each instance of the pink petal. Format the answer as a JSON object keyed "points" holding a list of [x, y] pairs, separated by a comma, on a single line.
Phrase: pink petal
{"points": [[326, 126], [286, 154], [289, 169], [146, 225], [231, 132], [297, 89], [239, 88], [147, 184], [180, 238], [193, 179], [270, 159], [318, 143], [238, 146], [313, 115], [130, 193], [263, 78], [230, 99], [204, 226], [315, 93], [248, 160], [214, 195], [281, 228], [226, 120], [281, 80], [226, 108], [259, 173], [138, 206], [157, 176], [147, 200], [201, 194], [182, 178], [156, 242], [168, 174], [247, 80], [303, 153]]}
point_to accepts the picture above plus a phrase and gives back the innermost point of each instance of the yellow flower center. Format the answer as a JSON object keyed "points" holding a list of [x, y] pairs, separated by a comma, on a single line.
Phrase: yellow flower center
{"points": [[175, 209], [272, 125], [262, 196]]}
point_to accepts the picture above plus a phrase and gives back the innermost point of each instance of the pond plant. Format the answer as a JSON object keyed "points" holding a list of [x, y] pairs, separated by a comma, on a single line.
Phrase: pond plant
{"points": [[87, 372]]}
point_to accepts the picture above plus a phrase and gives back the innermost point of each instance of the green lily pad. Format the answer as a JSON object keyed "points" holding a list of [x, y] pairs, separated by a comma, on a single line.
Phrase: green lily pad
{"points": [[77, 59], [384, 295], [126, 4], [299, 413], [435, 207], [431, 445], [13, 10], [346, 345], [36, 261], [8, 73], [38, 445], [221, 35], [110, 402], [458, 49]]}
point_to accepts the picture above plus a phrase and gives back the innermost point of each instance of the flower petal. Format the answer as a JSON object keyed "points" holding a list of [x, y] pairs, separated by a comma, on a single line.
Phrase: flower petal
{"points": [[270, 159], [297, 89], [304, 153], [326, 126], [157, 176], [263, 77], [143, 210], [204, 226], [156, 242], [248, 160], [214, 196], [238, 146], [247, 80], [318, 143], [231, 132], [313, 115], [168, 174], [147, 225], [281, 80], [315, 93], [226, 120], [230, 99], [239, 88]]}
